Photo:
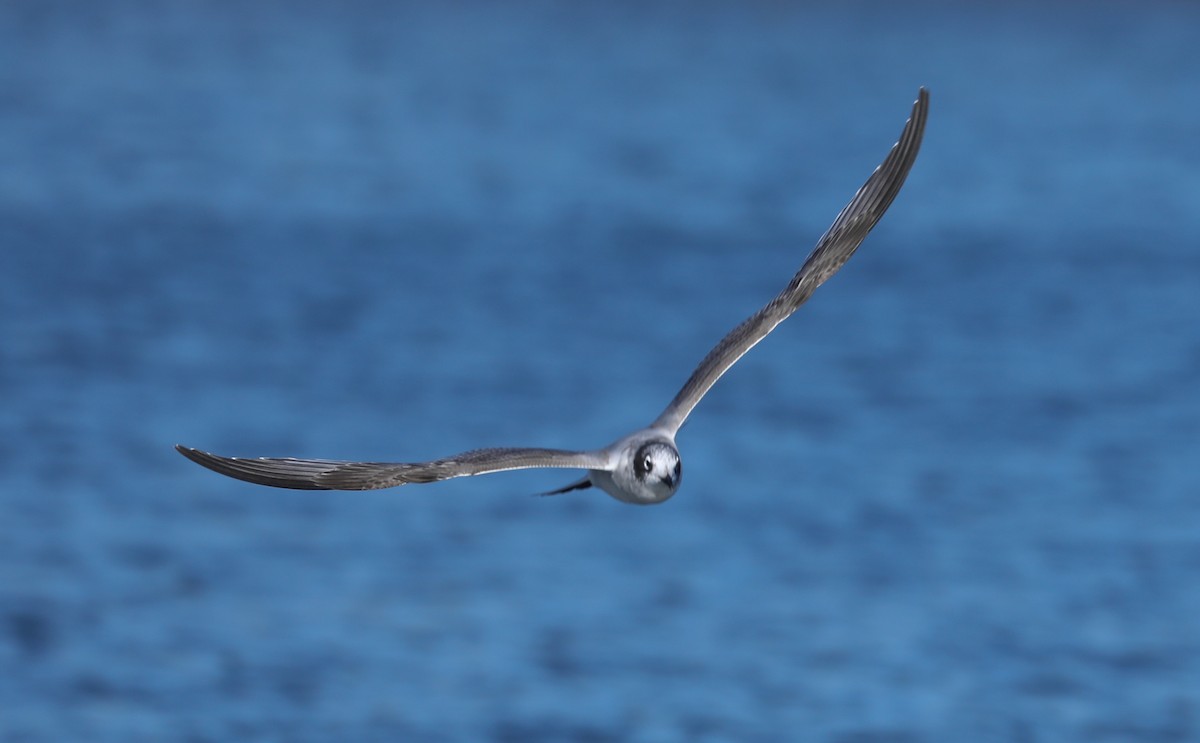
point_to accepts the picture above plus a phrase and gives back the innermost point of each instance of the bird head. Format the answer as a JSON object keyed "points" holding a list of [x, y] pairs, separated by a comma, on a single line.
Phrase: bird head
{"points": [[657, 465]]}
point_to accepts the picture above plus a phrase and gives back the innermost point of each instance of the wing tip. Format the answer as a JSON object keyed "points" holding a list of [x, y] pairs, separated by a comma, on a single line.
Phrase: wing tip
{"points": [[192, 453], [921, 109], [255, 471]]}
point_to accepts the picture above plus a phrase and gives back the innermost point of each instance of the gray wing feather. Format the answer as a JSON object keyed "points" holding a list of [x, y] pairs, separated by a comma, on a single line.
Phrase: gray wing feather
{"points": [[832, 251], [328, 474]]}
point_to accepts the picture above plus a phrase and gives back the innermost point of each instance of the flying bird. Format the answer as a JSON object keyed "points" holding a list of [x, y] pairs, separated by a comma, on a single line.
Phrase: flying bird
{"points": [[643, 467]]}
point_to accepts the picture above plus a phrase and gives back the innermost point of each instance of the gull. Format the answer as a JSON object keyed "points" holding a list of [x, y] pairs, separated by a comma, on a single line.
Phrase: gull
{"points": [[643, 467]]}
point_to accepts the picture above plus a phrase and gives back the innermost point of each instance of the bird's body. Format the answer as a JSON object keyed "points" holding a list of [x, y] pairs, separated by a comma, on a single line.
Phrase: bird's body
{"points": [[647, 469], [643, 467]]}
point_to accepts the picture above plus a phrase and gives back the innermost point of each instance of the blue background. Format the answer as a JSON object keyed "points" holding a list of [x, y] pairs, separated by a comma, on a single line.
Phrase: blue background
{"points": [[955, 498]]}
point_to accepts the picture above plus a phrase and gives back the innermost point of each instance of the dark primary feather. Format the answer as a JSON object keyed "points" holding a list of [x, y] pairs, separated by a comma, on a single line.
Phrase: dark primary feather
{"points": [[328, 474], [832, 251]]}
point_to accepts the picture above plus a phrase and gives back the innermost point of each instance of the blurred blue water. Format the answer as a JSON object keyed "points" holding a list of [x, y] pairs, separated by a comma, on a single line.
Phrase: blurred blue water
{"points": [[952, 499]]}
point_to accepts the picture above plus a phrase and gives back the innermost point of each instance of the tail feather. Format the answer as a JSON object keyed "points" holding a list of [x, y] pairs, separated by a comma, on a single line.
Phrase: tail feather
{"points": [[583, 484]]}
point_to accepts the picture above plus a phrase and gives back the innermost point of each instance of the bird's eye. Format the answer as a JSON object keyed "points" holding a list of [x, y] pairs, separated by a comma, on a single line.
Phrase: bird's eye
{"points": [[648, 465]]}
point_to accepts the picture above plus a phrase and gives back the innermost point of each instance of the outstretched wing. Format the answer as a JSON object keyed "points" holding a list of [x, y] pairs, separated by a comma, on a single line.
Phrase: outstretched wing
{"points": [[833, 249], [328, 474]]}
